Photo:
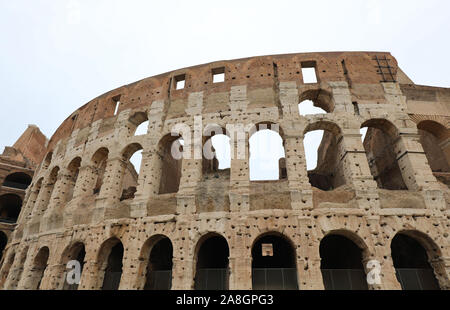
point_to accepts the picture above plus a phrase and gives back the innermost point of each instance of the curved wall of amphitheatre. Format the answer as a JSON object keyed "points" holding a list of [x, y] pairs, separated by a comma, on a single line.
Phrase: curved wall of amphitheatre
{"points": [[85, 194]]}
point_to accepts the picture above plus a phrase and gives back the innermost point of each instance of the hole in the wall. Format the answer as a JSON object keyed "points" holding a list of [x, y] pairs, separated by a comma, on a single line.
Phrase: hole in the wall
{"points": [[309, 72], [142, 129], [312, 141], [218, 75], [266, 150], [180, 81], [307, 107]]}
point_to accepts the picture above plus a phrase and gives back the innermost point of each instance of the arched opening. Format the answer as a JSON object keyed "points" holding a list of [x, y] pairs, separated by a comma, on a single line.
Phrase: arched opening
{"points": [[47, 160], [15, 278], [307, 107], [73, 170], [322, 144], [49, 187], [76, 252], [212, 270], [34, 195], [411, 263], [3, 243], [216, 151], [138, 124], [159, 268], [132, 156], [316, 99], [170, 152], [10, 206], [17, 180], [434, 138], [274, 263], [341, 264], [379, 145], [267, 153], [110, 260], [99, 162], [39, 266]]}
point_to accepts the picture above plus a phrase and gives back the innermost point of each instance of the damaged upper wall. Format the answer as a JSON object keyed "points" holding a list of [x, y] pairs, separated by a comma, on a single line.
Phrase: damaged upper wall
{"points": [[29, 149], [362, 70]]}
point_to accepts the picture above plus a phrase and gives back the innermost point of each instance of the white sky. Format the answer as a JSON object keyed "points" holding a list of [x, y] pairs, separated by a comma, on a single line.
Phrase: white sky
{"points": [[56, 55]]}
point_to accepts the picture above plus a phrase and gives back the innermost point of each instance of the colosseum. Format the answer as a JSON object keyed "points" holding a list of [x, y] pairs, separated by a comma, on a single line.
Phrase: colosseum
{"points": [[374, 214]]}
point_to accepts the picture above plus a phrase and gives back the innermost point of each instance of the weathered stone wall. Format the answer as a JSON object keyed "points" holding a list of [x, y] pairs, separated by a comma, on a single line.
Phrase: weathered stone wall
{"points": [[350, 87]]}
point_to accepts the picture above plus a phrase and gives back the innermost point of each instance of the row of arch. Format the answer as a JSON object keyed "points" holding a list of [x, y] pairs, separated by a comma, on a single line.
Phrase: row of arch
{"points": [[379, 146], [274, 263]]}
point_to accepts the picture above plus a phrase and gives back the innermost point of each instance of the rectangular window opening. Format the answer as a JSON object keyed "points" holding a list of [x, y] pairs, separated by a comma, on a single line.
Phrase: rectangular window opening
{"points": [[116, 100], [218, 75], [309, 72], [180, 82]]}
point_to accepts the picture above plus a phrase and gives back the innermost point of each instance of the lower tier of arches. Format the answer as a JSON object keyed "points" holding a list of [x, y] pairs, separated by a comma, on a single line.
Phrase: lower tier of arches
{"points": [[271, 250]]}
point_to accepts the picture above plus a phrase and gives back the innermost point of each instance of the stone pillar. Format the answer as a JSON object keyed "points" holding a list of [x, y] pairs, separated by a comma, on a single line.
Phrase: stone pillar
{"points": [[85, 182], [182, 273], [107, 204], [149, 180], [52, 217], [299, 186], [356, 170], [240, 172], [240, 261], [412, 161], [289, 99], [191, 175]]}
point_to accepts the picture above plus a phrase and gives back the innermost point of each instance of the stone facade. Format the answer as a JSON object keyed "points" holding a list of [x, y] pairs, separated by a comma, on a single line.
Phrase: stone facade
{"points": [[86, 195]]}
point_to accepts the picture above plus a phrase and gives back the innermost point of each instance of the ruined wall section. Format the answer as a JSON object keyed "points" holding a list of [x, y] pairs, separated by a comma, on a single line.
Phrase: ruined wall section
{"points": [[256, 90]]}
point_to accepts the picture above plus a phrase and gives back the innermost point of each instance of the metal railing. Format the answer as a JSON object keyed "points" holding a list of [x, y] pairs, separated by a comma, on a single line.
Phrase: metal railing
{"points": [[111, 281], [159, 280], [344, 279], [15, 185], [212, 279], [417, 279], [274, 279]]}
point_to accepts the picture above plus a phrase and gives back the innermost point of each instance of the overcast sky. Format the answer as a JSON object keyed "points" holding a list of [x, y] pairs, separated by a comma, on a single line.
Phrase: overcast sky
{"points": [[56, 55]]}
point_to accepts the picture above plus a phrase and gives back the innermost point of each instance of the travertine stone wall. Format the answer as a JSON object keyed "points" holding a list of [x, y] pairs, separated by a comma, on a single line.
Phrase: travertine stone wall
{"points": [[259, 90]]}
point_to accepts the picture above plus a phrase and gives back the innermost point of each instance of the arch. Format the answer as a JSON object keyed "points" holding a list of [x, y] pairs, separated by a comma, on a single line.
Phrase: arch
{"points": [[307, 107], [157, 253], [19, 180], [40, 264], [342, 263], [379, 144], [437, 129], [110, 263], [417, 261], [76, 251], [274, 265], [170, 166], [99, 161], [321, 99], [138, 124], [382, 124], [266, 152], [216, 149], [10, 207], [47, 160], [325, 167], [73, 171], [132, 156], [434, 137], [212, 263]]}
